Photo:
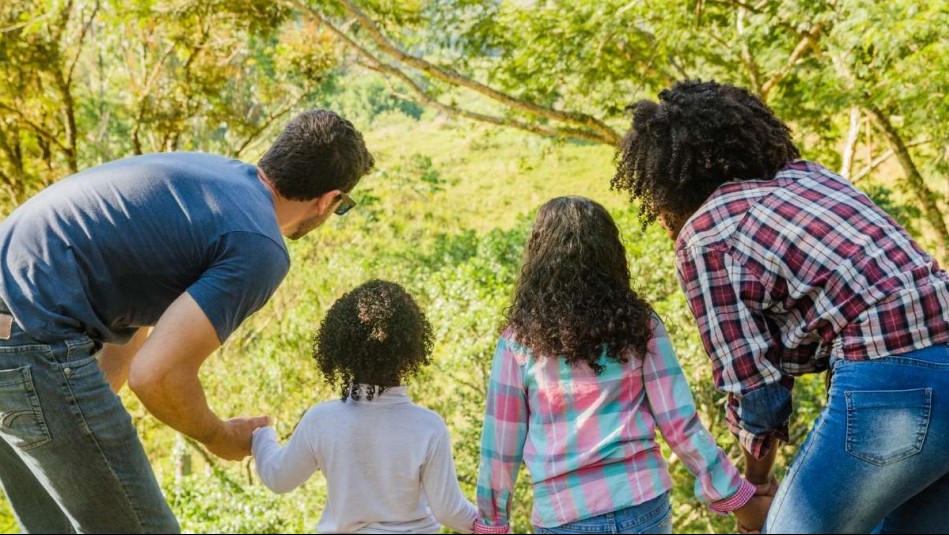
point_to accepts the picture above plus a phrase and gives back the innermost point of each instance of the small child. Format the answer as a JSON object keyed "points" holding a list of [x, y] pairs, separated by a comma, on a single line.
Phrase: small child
{"points": [[387, 461]]}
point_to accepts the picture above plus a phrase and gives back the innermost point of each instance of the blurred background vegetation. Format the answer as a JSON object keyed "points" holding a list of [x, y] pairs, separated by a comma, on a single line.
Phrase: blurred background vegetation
{"points": [[477, 111]]}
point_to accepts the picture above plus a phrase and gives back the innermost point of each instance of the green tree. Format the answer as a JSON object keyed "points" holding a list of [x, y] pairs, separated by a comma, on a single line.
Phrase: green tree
{"points": [[89, 81], [566, 68]]}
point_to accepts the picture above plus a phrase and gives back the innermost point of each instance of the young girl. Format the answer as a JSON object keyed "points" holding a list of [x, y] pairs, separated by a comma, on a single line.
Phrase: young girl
{"points": [[387, 461], [582, 376]]}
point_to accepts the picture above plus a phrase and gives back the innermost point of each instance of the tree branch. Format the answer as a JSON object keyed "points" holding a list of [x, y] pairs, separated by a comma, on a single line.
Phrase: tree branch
{"points": [[746, 57], [913, 177], [82, 37], [35, 127], [534, 128], [850, 145], [253, 137], [64, 15], [759, 10], [24, 24], [604, 134], [881, 159], [378, 65], [806, 43]]}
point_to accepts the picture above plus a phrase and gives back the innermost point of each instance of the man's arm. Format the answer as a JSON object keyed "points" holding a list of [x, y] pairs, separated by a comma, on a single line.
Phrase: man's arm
{"points": [[164, 376], [116, 359]]}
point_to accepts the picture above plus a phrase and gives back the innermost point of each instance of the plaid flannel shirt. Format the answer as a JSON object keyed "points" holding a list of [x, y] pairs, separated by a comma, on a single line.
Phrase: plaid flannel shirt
{"points": [[589, 441], [785, 274]]}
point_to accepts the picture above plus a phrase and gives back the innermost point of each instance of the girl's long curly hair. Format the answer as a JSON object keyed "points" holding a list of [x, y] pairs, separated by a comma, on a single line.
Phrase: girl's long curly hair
{"points": [[573, 298], [699, 136], [375, 335]]}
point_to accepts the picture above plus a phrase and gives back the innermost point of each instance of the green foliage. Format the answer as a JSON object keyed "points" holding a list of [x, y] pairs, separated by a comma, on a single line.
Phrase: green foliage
{"points": [[204, 508], [449, 207], [363, 98], [905, 214]]}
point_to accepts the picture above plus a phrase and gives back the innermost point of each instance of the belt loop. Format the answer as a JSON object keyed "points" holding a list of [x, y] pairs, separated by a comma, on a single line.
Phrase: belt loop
{"points": [[79, 345], [60, 351]]}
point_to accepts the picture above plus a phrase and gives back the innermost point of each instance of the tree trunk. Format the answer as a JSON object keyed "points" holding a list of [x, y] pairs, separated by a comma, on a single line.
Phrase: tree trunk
{"points": [[915, 180], [846, 165]]}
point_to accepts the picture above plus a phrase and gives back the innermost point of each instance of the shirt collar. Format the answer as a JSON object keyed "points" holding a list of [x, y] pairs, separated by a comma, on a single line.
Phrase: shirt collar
{"points": [[688, 230], [392, 396]]}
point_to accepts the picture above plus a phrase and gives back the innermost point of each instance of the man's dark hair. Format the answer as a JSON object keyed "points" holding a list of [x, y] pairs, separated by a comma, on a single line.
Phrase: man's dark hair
{"points": [[573, 299], [375, 335], [319, 151], [699, 136]]}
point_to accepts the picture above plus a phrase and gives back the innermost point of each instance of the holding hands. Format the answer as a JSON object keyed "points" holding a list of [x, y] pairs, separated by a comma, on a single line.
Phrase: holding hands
{"points": [[232, 441], [752, 516]]}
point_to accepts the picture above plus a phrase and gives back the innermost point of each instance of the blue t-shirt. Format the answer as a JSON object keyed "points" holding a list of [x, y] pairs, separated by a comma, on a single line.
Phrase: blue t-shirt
{"points": [[107, 250]]}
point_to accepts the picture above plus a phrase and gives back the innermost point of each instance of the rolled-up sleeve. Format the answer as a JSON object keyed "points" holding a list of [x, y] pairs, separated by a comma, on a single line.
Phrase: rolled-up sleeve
{"points": [[727, 302]]}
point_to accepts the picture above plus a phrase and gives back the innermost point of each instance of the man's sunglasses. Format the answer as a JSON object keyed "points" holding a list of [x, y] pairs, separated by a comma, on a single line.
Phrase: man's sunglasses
{"points": [[346, 204]]}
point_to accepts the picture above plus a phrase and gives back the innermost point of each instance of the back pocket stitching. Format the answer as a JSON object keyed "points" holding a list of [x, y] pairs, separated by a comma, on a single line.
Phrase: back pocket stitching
{"points": [[39, 419], [910, 451]]}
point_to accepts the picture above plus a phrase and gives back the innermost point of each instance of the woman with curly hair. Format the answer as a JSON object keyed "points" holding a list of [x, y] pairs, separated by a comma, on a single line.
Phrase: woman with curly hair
{"points": [[789, 269], [387, 461], [583, 375]]}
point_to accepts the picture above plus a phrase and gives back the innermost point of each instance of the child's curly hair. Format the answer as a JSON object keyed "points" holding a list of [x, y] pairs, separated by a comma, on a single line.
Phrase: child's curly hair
{"points": [[374, 335]]}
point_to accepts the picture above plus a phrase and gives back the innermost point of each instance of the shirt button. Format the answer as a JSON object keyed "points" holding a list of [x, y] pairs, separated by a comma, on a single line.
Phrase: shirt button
{"points": [[67, 372]]}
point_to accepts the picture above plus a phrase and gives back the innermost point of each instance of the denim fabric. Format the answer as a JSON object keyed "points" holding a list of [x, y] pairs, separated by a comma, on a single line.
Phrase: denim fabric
{"points": [[70, 459], [877, 458], [654, 516]]}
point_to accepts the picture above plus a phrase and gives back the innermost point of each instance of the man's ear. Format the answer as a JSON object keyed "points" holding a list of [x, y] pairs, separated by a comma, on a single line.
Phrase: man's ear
{"points": [[326, 202]]}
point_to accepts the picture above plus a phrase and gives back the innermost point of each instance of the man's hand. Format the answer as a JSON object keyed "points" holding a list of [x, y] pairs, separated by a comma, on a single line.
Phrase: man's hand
{"points": [[232, 442], [752, 516]]}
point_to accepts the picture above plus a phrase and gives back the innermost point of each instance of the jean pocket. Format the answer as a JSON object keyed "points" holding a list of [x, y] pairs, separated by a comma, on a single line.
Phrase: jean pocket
{"points": [[884, 427], [659, 520], [22, 422]]}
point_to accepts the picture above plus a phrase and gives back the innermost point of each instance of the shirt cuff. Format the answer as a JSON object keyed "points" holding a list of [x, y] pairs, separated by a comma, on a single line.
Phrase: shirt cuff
{"points": [[736, 501], [260, 435], [481, 527], [760, 445]]}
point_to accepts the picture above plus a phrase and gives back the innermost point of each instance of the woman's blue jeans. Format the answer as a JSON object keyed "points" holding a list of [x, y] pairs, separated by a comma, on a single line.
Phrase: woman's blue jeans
{"points": [[878, 455]]}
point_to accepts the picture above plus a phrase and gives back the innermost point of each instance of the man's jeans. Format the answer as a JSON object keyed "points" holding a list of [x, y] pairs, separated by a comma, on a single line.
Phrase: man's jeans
{"points": [[70, 459], [654, 516], [878, 456]]}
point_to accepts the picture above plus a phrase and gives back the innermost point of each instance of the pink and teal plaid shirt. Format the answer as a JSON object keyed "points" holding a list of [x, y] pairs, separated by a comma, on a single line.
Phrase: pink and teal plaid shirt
{"points": [[589, 441]]}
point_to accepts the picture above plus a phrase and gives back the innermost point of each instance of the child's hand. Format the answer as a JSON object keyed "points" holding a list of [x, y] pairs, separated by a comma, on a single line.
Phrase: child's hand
{"points": [[752, 516]]}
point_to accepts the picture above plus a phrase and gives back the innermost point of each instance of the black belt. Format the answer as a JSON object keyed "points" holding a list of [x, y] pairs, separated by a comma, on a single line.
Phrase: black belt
{"points": [[3, 308]]}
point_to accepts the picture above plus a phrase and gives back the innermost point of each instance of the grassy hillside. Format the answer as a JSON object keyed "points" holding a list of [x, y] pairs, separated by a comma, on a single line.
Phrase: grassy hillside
{"points": [[446, 214]]}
